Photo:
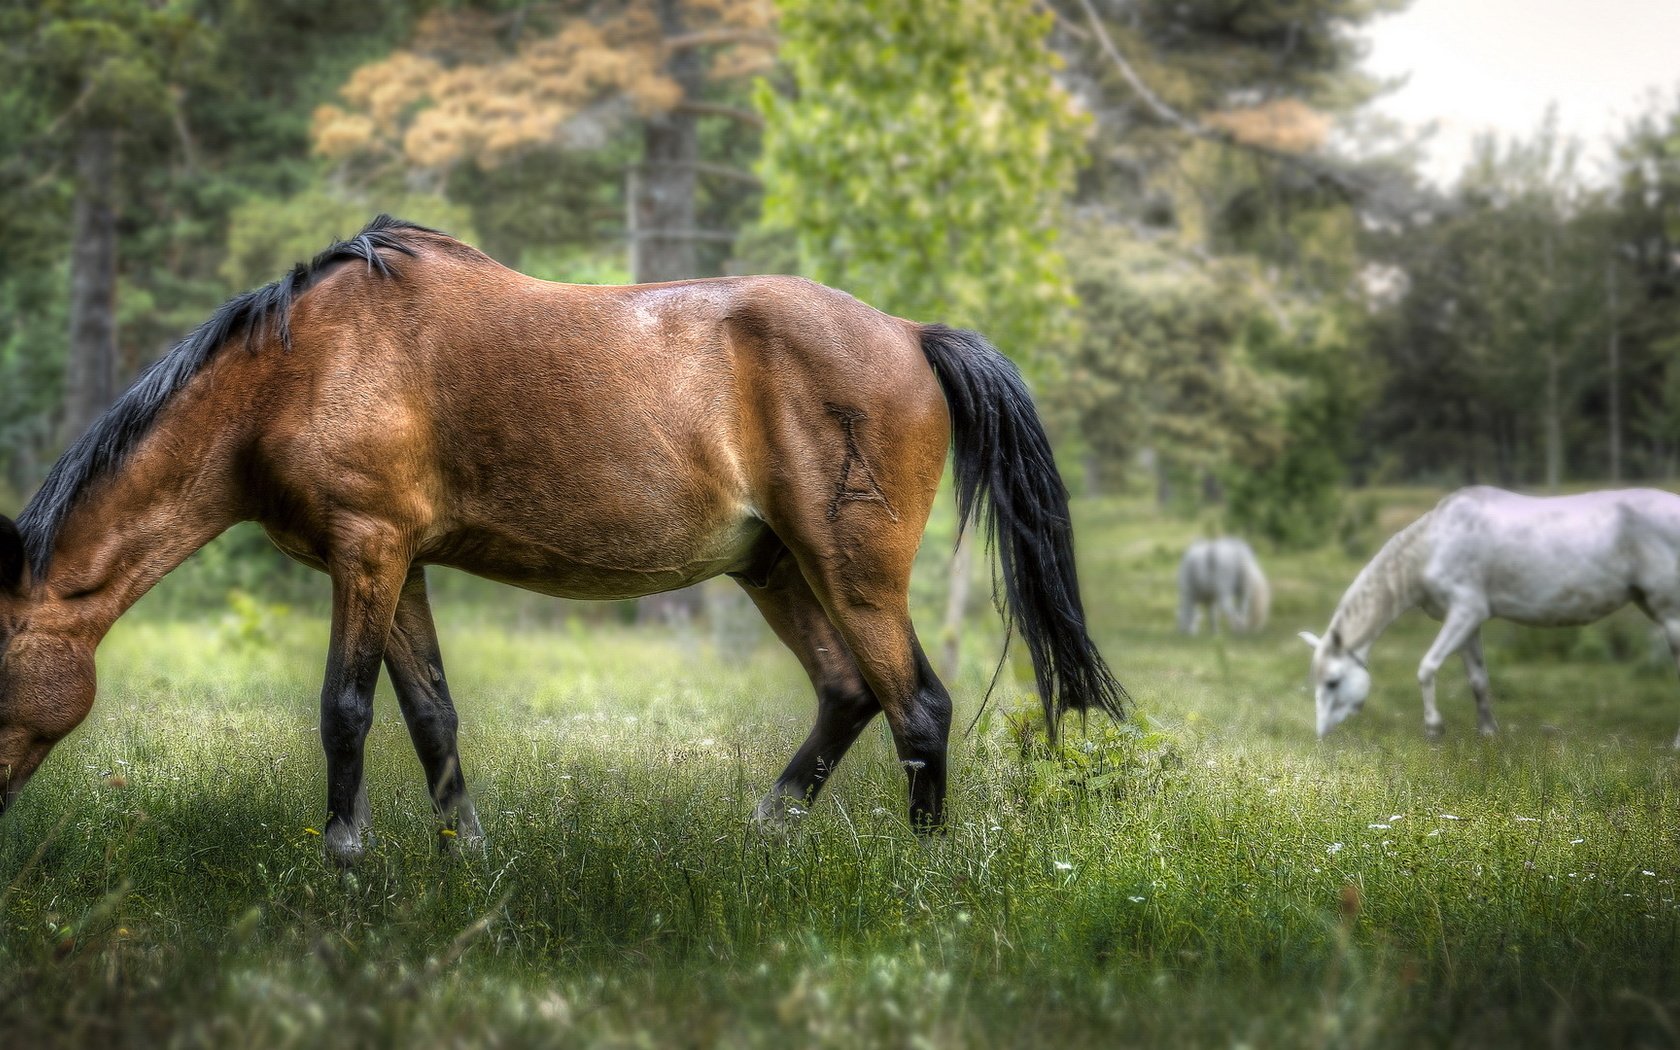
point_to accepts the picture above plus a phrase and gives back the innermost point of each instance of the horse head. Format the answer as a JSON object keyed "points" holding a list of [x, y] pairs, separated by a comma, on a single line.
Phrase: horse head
{"points": [[46, 676], [1340, 679]]}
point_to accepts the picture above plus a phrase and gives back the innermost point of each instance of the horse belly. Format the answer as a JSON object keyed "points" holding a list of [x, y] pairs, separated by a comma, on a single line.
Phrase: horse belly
{"points": [[596, 563], [1558, 596]]}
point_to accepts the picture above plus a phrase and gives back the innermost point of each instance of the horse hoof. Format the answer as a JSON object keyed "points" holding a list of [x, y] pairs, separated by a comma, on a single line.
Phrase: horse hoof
{"points": [[1434, 730], [778, 812], [467, 835], [1490, 730], [343, 846]]}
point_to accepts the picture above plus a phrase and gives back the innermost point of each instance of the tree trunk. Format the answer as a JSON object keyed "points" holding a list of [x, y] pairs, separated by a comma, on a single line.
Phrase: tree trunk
{"points": [[90, 372], [1163, 482], [1554, 423], [662, 234], [1554, 396], [1615, 390]]}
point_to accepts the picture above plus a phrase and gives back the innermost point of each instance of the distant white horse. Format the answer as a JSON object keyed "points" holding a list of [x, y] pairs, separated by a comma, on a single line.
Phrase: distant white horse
{"points": [[1223, 575], [1483, 552]]}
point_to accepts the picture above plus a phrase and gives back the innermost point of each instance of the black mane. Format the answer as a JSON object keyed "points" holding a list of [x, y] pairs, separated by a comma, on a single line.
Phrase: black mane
{"points": [[105, 444]]}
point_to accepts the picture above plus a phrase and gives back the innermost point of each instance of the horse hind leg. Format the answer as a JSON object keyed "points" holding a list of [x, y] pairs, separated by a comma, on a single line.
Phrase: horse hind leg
{"points": [[1665, 613], [1475, 668], [869, 605], [1230, 612], [1671, 631], [845, 704], [415, 663]]}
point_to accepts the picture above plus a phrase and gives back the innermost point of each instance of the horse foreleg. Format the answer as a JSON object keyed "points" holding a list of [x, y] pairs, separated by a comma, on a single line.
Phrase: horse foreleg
{"points": [[415, 664], [1460, 625], [1475, 668], [366, 583], [845, 703]]}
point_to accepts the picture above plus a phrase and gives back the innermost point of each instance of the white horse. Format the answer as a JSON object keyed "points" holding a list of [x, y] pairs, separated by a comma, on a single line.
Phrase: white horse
{"points": [[1225, 576], [1483, 552]]}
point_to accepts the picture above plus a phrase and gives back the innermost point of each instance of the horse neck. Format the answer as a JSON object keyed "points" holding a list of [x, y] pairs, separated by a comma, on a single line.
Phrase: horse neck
{"points": [[1384, 589], [173, 494]]}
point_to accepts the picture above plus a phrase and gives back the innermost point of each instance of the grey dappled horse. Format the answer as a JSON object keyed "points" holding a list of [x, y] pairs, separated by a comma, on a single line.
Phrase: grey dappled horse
{"points": [[1483, 552], [1224, 576]]}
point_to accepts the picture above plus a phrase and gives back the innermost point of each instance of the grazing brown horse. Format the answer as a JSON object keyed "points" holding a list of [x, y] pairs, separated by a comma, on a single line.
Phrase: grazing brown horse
{"points": [[403, 400]]}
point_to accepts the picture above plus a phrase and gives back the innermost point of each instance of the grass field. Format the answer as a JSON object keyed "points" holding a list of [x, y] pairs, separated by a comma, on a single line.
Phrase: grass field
{"points": [[1209, 874]]}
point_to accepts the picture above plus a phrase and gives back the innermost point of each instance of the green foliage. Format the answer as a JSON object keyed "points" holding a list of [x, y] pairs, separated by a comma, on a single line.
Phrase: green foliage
{"points": [[574, 265], [248, 622], [105, 63], [1292, 494], [921, 160], [1166, 360]]}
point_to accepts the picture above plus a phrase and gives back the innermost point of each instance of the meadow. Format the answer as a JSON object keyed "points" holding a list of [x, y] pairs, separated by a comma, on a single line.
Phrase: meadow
{"points": [[1206, 874]]}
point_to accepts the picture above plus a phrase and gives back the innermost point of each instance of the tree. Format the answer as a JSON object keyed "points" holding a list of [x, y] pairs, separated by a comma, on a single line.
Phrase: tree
{"points": [[488, 87], [98, 69], [922, 160], [1644, 252], [1166, 361], [1219, 266], [1207, 110], [1494, 346]]}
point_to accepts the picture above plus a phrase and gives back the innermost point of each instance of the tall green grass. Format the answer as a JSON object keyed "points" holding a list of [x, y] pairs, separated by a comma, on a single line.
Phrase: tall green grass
{"points": [[1207, 874]]}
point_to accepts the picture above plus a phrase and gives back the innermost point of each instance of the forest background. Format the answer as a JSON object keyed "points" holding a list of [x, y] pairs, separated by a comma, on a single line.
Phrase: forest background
{"points": [[1220, 267]]}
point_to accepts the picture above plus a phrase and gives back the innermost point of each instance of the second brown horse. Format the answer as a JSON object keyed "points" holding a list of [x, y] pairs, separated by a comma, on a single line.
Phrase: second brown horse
{"points": [[403, 400]]}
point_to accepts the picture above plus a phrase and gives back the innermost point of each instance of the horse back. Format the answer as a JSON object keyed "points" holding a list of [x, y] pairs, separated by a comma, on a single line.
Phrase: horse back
{"points": [[1556, 560]]}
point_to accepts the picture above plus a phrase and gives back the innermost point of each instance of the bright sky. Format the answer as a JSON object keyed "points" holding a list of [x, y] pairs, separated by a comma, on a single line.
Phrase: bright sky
{"points": [[1479, 65]]}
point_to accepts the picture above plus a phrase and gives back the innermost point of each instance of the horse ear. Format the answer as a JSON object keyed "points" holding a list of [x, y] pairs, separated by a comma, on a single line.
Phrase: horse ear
{"points": [[1310, 638], [1336, 640], [14, 563]]}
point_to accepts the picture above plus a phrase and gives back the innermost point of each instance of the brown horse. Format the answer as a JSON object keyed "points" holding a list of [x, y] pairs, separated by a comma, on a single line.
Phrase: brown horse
{"points": [[403, 400]]}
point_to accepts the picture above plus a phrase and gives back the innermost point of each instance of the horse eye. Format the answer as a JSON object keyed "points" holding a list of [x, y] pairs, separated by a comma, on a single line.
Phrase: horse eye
{"points": [[1332, 683]]}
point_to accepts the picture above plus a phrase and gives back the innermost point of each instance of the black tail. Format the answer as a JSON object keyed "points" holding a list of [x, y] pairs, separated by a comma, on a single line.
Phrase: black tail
{"points": [[1004, 470]]}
